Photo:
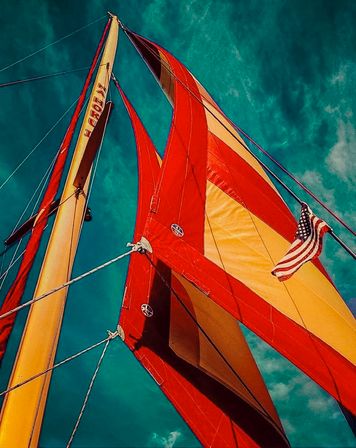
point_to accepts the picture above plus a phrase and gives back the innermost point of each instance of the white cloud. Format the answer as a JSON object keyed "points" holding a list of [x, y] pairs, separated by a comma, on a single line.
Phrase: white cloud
{"points": [[340, 160], [165, 441], [340, 76], [287, 425], [319, 404], [280, 391], [314, 180]]}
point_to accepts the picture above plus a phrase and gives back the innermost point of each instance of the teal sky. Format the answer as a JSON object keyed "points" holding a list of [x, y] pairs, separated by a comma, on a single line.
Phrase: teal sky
{"points": [[285, 71]]}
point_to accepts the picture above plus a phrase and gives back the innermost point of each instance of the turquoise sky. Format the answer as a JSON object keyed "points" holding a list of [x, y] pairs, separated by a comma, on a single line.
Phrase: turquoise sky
{"points": [[285, 71]]}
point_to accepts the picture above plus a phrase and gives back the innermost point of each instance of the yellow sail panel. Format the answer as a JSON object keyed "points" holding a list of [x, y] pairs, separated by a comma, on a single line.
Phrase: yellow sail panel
{"points": [[259, 247], [23, 408]]}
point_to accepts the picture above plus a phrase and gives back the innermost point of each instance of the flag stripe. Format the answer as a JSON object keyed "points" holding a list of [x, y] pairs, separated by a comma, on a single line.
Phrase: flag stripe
{"points": [[306, 246], [295, 254]]}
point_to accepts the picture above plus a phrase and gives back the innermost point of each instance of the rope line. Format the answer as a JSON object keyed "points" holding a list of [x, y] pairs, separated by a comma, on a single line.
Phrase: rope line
{"points": [[2, 255], [38, 144], [291, 175], [262, 409], [126, 30], [89, 391], [40, 77], [52, 43], [61, 363], [13, 261], [69, 282]]}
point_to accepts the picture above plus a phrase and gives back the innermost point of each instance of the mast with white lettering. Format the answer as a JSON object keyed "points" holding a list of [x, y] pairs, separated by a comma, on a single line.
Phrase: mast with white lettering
{"points": [[23, 408]]}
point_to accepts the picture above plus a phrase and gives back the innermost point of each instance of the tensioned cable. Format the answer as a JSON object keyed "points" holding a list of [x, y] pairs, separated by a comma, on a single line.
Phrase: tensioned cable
{"points": [[291, 175], [53, 43], [39, 187], [40, 77], [246, 147], [112, 335], [68, 283], [263, 410], [2, 255], [17, 168], [91, 384], [46, 175], [38, 144], [13, 262]]}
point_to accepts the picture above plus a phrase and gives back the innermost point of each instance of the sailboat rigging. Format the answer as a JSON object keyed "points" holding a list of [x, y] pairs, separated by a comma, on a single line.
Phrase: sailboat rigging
{"points": [[210, 227]]}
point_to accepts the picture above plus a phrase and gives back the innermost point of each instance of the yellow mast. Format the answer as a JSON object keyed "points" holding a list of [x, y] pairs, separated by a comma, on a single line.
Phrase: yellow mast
{"points": [[23, 408]]}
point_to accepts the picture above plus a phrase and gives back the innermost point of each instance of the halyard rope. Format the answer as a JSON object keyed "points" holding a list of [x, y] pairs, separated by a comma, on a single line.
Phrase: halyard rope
{"points": [[38, 144], [14, 261], [70, 282], [53, 43], [58, 364], [40, 77], [91, 384]]}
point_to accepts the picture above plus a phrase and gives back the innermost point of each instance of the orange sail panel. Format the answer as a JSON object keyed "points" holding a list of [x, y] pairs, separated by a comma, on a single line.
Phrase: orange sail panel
{"points": [[193, 348], [16, 290], [220, 223]]}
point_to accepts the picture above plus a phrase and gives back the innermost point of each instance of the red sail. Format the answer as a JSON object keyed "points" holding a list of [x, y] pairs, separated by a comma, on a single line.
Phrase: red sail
{"points": [[15, 292], [193, 349], [220, 223]]}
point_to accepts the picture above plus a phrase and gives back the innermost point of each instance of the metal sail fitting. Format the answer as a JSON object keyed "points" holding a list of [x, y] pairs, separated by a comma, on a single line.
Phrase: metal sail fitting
{"points": [[141, 246]]}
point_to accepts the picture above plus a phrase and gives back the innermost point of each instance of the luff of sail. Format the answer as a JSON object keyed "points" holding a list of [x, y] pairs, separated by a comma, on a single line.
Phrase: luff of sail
{"points": [[234, 228], [23, 408], [193, 348]]}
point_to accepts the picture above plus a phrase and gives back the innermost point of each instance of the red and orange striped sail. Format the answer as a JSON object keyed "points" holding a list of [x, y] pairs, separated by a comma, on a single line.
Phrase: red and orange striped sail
{"points": [[194, 349], [218, 221]]}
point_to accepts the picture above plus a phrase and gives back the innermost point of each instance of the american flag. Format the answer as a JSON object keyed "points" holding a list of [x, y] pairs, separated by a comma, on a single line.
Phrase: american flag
{"points": [[306, 246]]}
